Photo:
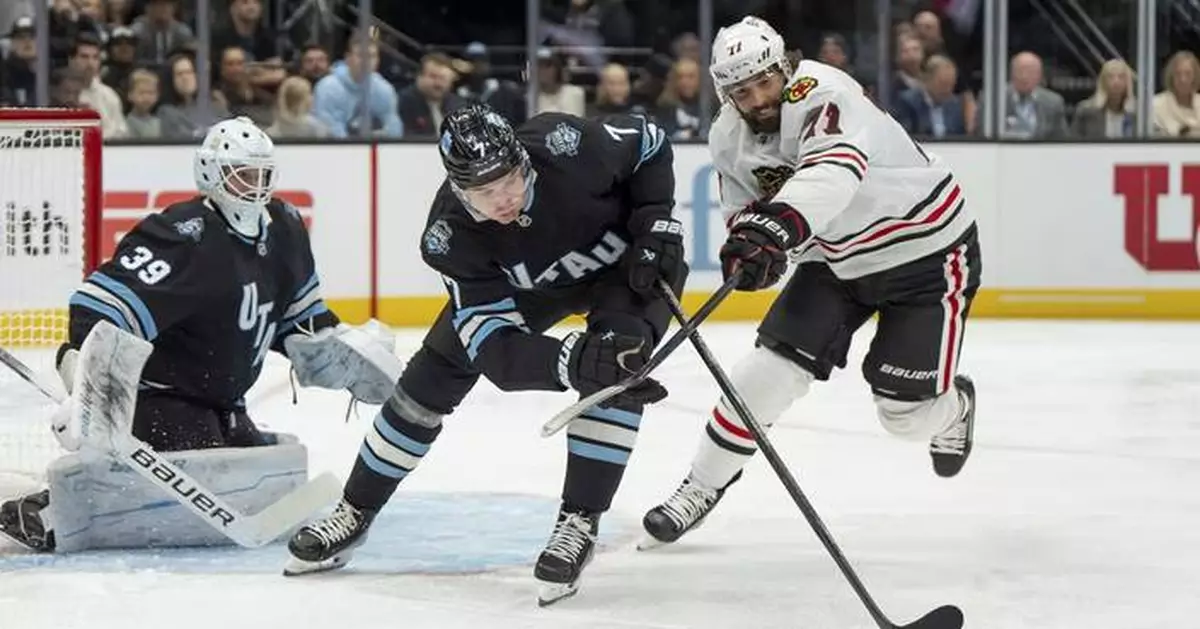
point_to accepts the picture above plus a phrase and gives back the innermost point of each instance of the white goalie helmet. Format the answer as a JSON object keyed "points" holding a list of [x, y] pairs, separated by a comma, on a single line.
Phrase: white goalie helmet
{"points": [[743, 50], [235, 167]]}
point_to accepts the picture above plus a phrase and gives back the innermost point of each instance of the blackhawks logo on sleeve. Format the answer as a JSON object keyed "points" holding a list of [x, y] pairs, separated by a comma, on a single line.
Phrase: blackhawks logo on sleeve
{"points": [[799, 89]]}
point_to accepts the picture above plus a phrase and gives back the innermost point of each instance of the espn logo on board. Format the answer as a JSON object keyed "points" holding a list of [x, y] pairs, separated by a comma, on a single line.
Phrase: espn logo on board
{"points": [[124, 208], [1142, 186]]}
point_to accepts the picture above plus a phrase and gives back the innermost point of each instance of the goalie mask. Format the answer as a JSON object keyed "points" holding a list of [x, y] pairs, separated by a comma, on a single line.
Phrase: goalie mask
{"points": [[750, 69], [487, 167], [235, 168]]}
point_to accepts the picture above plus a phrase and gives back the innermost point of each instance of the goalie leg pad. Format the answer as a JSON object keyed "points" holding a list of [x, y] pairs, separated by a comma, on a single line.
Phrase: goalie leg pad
{"points": [[345, 357], [769, 384], [97, 502]]}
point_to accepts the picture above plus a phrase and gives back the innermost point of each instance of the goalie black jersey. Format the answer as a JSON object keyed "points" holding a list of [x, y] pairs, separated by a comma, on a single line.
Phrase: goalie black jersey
{"points": [[212, 301], [592, 179]]}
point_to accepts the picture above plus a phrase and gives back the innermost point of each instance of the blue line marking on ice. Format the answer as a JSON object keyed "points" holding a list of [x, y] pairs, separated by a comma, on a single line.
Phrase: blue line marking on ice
{"points": [[429, 533]]}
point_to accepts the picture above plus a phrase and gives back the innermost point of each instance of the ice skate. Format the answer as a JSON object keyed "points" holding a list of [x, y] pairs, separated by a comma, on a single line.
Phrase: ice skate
{"points": [[683, 511], [951, 447], [567, 553], [21, 521], [328, 544]]}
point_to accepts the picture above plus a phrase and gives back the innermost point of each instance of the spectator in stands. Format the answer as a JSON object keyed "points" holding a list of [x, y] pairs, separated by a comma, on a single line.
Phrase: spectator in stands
{"points": [[554, 93], [241, 96], [180, 113], [679, 103], [143, 97], [1109, 113], [337, 96], [927, 26], [502, 95], [687, 46], [67, 24], [1177, 108], [122, 59], [293, 111], [66, 85], [120, 12], [94, 10], [910, 56], [426, 102], [834, 52], [246, 29], [612, 93], [314, 63], [933, 110], [85, 59], [159, 32], [651, 80], [18, 83], [1033, 112]]}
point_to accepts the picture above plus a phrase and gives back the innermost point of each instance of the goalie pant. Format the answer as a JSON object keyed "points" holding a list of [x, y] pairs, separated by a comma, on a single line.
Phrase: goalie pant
{"points": [[440, 375]]}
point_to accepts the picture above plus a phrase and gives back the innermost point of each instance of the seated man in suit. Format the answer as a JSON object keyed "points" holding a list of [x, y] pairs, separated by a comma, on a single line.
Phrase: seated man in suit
{"points": [[933, 110]]}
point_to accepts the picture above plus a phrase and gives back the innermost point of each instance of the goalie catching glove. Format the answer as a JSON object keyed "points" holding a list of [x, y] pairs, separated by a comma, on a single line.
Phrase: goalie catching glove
{"points": [[358, 359], [759, 238], [590, 361]]}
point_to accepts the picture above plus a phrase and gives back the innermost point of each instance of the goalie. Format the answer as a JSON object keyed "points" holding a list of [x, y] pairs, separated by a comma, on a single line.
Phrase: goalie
{"points": [[212, 283]]}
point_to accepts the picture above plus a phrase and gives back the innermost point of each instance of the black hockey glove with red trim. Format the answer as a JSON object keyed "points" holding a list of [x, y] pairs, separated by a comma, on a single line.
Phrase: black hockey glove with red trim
{"points": [[758, 241], [657, 252]]}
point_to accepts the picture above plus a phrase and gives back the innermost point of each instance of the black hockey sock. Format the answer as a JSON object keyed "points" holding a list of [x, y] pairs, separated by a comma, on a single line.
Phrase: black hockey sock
{"points": [[599, 443], [391, 449]]}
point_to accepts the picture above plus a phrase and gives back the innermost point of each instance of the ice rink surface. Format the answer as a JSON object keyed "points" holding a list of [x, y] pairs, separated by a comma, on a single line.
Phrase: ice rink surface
{"points": [[1080, 508]]}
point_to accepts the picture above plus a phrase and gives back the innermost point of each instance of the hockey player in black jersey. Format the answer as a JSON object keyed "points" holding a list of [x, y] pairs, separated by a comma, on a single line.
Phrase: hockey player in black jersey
{"points": [[213, 283], [562, 216]]}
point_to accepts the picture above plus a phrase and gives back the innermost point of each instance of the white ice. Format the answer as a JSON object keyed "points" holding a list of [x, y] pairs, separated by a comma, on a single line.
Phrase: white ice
{"points": [[1079, 508]]}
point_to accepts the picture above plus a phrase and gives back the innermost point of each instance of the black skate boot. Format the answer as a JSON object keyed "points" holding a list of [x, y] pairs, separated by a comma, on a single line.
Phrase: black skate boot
{"points": [[328, 544], [567, 553], [952, 446], [21, 521], [682, 512]]}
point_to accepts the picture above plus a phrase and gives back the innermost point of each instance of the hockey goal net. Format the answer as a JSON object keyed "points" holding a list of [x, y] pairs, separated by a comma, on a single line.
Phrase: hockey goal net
{"points": [[50, 190]]}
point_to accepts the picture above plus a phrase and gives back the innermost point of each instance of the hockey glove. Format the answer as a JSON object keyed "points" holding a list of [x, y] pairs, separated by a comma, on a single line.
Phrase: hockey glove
{"points": [[590, 361], [758, 241], [657, 252]]}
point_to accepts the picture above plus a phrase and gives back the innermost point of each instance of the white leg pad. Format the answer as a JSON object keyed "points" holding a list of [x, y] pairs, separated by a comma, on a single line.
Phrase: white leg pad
{"points": [[919, 421], [769, 384]]}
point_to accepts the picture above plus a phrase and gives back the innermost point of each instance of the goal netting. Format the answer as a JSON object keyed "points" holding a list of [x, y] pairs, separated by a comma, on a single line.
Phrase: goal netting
{"points": [[49, 206]]}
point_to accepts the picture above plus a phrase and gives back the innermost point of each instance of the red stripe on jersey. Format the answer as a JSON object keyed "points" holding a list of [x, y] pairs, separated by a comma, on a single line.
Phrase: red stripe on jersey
{"points": [[891, 228], [730, 427]]}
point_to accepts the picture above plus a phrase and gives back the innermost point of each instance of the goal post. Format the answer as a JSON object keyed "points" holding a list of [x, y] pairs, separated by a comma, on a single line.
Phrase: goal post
{"points": [[50, 211]]}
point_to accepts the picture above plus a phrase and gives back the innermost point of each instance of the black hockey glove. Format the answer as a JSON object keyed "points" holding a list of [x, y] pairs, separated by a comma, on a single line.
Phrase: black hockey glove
{"points": [[590, 361], [657, 252], [758, 241]]}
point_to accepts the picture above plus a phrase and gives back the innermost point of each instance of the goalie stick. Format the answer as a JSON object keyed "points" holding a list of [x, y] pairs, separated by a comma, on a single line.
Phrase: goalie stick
{"points": [[944, 617], [567, 415], [249, 531]]}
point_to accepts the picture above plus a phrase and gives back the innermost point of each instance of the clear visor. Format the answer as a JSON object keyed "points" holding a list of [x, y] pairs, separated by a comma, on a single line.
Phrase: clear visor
{"points": [[746, 88], [251, 181]]}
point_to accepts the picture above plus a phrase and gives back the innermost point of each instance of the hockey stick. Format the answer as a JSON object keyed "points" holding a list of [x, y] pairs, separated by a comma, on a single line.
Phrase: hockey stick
{"points": [[944, 617], [565, 416], [253, 531]]}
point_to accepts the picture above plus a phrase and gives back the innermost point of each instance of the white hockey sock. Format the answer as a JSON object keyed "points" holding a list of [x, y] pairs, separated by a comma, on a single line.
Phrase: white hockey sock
{"points": [[920, 421], [768, 383]]}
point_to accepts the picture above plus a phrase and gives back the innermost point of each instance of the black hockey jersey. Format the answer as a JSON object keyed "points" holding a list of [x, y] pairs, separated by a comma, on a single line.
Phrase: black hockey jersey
{"points": [[211, 300], [592, 180]]}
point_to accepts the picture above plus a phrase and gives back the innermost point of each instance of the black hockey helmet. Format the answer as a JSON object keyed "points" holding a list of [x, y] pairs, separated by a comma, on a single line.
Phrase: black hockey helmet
{"points": [[479, 146]]}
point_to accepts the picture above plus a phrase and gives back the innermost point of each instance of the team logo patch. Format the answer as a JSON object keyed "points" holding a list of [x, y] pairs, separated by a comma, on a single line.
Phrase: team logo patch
{"points": [[192, 228], [771, 178], [564, 140], [800, 89], [437, 238]]}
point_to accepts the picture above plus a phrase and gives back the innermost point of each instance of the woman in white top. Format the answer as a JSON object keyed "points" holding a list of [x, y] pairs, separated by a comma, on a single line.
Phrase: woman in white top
{"points": [[1177, 109]]}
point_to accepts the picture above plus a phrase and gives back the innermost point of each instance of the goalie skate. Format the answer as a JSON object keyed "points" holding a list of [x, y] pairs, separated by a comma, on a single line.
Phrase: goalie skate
{"points": [[21, 521], [684, 511], [328, 544], [567, 553]]}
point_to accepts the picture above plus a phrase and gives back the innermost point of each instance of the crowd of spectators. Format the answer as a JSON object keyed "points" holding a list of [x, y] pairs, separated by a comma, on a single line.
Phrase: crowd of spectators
{"points": [[134, 61]]}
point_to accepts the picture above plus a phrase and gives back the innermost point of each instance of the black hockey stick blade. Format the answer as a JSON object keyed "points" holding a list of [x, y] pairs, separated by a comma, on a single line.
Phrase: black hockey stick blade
{"points": [[944, 617], [564, 417]]}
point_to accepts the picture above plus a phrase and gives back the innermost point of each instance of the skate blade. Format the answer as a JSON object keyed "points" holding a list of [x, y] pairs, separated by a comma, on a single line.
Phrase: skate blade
{"points": [[551, 593], [650, 542], [297, 567]]}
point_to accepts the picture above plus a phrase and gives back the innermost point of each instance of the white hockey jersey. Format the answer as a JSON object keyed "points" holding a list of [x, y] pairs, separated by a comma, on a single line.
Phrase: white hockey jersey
{"points": [[872, 196]]}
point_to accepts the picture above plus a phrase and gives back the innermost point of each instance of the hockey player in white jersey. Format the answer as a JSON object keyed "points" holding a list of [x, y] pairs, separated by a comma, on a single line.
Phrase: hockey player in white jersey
{"points": [[810, 167]]}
